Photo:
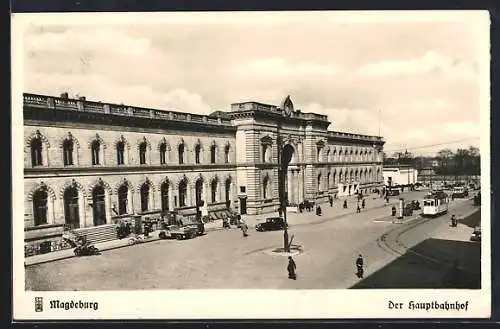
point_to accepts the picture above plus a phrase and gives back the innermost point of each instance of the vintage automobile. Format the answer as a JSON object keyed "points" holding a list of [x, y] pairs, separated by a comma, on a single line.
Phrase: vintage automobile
{"points": [[460, 192], [179, 232], [271, 224], [180, 227], [393, 192], [476, 234]]}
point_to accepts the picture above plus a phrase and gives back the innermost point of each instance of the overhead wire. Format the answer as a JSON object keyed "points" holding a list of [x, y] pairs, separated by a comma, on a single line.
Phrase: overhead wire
{"points": [[431, 145]]}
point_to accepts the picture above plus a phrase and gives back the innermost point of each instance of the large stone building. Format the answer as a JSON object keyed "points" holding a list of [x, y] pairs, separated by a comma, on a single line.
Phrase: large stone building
{"points": [[90, 163]]}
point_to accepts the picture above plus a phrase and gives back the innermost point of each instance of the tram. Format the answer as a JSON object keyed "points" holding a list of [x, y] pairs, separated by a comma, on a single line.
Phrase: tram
{"points": [[435, 204]]}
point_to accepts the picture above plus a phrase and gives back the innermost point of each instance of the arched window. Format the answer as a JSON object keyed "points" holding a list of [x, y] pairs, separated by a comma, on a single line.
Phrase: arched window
{"points": [[36, 152], [145, 197], [197, 154], [319, 182], [40, 199], [340, 177], [120, 153], [213, 153], [328, 176], [334, 178], [318, 154], [199, 192], [96, 146], [163, 153], [214, 190], [328, 155], [264, 152], [181, 153], [122, 199], [99, 205], [68, 152], [226, 153], [71, 208], [142, 152], [265, 187], [164, 196], [228, 192], [182, 193]]}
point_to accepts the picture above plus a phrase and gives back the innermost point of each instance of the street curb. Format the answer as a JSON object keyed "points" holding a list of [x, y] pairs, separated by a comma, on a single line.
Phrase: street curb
{"points": [[214, 229], [100, 249]]}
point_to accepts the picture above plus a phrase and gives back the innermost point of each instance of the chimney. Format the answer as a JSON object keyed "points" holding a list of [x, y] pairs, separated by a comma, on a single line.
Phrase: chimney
{"points": [[81, 98], [64, 95]]}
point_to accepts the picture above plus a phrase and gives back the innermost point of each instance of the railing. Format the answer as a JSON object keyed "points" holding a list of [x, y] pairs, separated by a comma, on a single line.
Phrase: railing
{"points": [[115, 109], [339, 134]]}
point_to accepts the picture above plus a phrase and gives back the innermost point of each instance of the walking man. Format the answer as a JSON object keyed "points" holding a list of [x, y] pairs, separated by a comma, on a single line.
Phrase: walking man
{"points": [[291, 268], [359, 266], [358, 209], [363, 204]]}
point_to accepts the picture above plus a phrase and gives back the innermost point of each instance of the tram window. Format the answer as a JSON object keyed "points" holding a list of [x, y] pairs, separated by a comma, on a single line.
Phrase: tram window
{"points": [[428, 203]]}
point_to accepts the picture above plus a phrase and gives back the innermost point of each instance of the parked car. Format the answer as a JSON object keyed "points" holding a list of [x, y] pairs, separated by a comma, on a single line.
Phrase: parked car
{"points": [[271, 224], [460, 192], [476, 235], [179, 232], [393, 192]]}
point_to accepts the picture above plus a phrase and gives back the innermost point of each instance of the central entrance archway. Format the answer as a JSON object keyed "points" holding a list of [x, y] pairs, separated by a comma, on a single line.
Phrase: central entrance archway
{"points": [[290, 183]]}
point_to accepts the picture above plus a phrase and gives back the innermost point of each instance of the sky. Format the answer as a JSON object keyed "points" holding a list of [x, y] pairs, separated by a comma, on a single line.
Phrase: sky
{"points": [[417, 82]]}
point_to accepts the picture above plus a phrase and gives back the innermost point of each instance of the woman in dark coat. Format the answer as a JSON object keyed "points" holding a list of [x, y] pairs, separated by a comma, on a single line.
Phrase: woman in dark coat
{"points": [[291, 268]]}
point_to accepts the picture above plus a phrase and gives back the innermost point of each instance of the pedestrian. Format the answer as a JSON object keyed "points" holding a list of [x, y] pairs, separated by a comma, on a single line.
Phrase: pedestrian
{"points": [[291, 268], [363, 204], [453, 221], [360, 266], [345, 204], [358, 209], [244, 228], [318, 210], [393, 211]]}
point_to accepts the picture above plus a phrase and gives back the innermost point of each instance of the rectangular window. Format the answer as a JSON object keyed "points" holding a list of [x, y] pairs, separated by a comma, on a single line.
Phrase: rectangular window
{"points": [[243, 189]]}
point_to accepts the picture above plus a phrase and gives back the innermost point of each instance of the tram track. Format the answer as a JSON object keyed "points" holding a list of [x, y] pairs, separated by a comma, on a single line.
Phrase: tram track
{"points": [[391, 243]]}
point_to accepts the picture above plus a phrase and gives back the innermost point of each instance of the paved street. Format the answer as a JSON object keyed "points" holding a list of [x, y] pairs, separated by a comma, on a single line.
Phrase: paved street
{"points": [[224, 259]]}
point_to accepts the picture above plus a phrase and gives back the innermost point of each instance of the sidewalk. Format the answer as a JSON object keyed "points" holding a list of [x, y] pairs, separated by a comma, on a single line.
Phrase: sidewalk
{"points": [[68, 253], [329, 213]]}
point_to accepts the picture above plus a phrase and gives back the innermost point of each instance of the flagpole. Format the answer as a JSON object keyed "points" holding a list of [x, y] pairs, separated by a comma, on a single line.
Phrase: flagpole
{"points": [[379, 122]]}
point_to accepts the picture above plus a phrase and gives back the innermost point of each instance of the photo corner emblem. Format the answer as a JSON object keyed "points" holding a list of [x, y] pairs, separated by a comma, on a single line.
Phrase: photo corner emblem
{"points": [[38, 304]]}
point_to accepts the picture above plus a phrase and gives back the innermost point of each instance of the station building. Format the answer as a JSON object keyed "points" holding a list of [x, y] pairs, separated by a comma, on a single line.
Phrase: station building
{"points": [[88, 163]]}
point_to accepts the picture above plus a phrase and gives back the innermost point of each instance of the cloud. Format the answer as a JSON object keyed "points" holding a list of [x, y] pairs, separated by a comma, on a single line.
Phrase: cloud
{"points": [[99, 88], [107, 41], [463, 128], [430, 62], [361, 121], [417, 76], [416, 134], [279, 67]]}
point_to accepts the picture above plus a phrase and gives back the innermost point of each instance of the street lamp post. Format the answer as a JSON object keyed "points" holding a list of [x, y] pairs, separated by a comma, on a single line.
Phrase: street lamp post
{"points": [[282, 171]]}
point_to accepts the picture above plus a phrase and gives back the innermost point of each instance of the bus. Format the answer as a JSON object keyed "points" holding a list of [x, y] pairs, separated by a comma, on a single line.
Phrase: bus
{"points": [[435, 204]]}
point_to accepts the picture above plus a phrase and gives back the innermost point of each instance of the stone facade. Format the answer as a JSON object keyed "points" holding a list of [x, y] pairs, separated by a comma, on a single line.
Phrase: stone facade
{"points": [[89, 163]]}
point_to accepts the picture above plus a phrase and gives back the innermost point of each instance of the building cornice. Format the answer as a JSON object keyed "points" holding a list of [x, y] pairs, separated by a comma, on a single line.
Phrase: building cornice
{"points": [[47, 108]]}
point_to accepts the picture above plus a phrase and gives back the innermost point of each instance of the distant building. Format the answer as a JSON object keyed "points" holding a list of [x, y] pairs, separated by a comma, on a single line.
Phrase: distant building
{"points": [[399, 175]]}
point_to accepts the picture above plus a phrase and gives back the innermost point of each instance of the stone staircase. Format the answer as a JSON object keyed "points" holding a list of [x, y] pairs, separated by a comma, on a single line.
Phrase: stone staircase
{"points": [[97, 234]]}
